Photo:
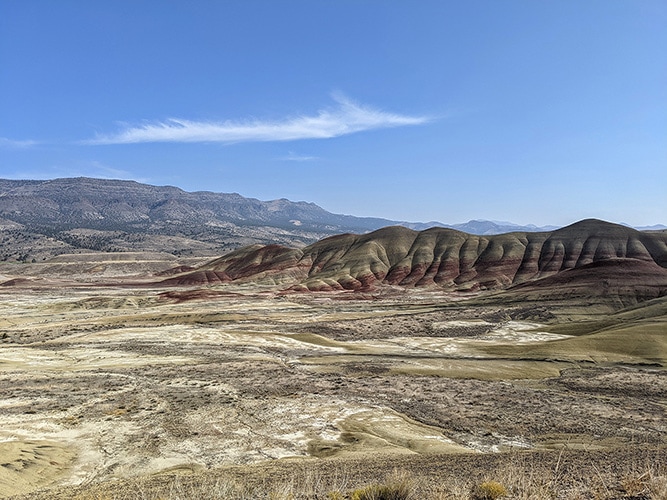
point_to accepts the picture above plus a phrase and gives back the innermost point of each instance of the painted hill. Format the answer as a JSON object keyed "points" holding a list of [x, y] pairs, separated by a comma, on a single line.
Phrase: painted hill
{"points": [[589, 253]]}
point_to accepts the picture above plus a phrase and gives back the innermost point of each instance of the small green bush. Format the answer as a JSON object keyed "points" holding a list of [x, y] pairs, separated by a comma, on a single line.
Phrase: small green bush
{"points": [[489, 490]]}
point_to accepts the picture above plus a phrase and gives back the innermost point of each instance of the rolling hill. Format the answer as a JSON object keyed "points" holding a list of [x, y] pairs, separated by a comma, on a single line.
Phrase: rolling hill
{"points": [[590, 255]]}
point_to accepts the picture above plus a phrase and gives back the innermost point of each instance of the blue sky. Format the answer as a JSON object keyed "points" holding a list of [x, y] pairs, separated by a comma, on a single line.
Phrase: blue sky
{"points": [[541, 112]]}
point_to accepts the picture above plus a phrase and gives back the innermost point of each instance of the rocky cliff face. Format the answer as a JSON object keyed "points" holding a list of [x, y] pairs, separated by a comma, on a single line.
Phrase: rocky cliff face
{"points": [[452, 260]]}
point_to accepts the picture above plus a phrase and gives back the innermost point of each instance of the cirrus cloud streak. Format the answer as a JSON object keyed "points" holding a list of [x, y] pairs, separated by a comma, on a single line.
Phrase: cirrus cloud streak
{"points": [[347, 118], [12, 143]]}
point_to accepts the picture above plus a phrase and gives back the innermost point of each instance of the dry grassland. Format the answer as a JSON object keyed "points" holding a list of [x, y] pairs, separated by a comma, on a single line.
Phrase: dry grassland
{"points": [[238, 392]]}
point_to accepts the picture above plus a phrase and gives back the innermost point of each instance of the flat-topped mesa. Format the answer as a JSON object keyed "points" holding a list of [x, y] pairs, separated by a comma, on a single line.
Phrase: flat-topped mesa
{"points": [[437, 257]]}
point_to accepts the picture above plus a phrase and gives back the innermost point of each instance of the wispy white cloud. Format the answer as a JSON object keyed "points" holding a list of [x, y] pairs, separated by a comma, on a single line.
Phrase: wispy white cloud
{"points": [[347, 117], [292, 156], [12, 143]]}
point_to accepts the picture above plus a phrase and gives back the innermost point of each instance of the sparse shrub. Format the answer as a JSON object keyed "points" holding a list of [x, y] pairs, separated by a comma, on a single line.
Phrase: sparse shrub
{"points": [[635, 485], [398, 490], [489, 490]]}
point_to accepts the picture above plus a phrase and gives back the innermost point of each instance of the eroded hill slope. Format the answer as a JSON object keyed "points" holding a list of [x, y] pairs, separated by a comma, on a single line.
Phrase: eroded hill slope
{"points": [[456, 261]]}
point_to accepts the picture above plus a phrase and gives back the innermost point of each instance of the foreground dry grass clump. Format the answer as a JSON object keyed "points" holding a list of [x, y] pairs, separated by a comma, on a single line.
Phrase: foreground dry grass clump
{"points": [[576, 475], [489, 490]]}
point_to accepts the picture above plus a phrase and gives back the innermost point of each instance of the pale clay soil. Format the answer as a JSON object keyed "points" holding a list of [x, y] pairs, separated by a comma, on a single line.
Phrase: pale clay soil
{"points": [[115, 382]]}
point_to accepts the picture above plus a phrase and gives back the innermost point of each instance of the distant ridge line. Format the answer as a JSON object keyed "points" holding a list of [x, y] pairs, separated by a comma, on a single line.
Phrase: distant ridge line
{"points": [[44, 188], [44, 218]]}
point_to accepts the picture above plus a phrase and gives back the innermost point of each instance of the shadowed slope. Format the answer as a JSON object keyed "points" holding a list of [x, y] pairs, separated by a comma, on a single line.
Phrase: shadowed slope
{"points": [[273, 263], [626, 281], [452, 260]]}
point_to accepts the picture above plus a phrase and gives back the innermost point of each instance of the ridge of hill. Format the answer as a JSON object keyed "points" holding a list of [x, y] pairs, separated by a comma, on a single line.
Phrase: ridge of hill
{"points": [[589, 254], [40, 219], [127, 205]]}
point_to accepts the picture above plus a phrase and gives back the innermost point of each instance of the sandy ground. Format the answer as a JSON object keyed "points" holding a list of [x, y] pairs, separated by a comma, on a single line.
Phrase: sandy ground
{"points": [[28, 464], [116, 382]]}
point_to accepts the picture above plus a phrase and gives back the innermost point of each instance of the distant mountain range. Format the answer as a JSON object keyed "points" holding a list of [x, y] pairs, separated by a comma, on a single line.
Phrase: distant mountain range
{"points": [[40, 219], [480, 227]]}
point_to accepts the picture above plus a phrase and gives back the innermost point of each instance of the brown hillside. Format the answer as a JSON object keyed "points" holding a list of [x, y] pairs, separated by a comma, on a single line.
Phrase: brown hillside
{"points": [[625, 281], [451, 260], [261, 263]]}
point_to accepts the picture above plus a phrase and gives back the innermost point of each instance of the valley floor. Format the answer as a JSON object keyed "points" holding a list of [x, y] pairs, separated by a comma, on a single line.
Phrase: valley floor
{"points": [[123, 383]]}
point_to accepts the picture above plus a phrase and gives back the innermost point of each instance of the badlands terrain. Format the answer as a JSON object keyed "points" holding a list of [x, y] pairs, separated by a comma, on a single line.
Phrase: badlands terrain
{"points": [[444, 359]]}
